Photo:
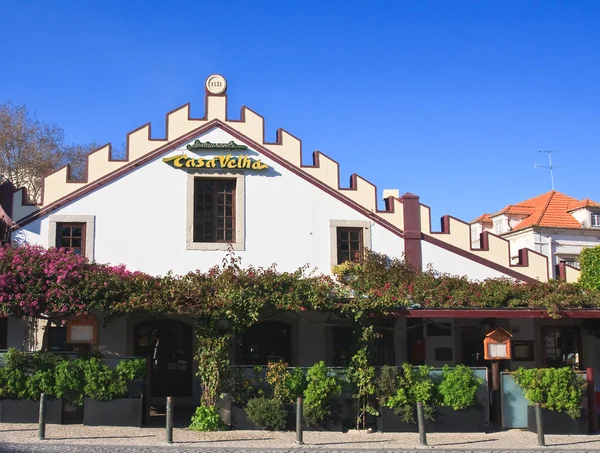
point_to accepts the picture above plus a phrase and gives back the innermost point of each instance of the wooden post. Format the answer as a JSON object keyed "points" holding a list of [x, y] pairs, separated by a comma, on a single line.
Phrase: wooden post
{"points": [[42, 418], [421, 422], [497, 413], [299, 440], [169, 419], [591, 386]]}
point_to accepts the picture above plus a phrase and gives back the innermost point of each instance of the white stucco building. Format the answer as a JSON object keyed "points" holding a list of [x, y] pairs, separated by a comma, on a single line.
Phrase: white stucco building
{"points": [[175, 203], [553, 224]]}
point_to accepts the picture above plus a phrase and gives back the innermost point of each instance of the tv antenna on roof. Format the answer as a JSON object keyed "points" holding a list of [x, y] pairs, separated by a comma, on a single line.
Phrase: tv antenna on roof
{"points": [[551, 167]]}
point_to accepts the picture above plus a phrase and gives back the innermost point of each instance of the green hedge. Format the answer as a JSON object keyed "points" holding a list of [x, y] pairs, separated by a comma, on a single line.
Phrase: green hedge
{"points": [[27, 375]]}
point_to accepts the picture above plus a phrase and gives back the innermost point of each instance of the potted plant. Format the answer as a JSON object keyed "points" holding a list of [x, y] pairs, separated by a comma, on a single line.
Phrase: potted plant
{"points": [[243, 389], [322, 409], [108, 393], [399, 392], [22, 380], [458, 409], [559, 393]]}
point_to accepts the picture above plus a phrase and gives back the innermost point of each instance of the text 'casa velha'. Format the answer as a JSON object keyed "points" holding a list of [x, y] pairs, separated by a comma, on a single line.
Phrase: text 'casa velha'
{"points": [[219, 162]]}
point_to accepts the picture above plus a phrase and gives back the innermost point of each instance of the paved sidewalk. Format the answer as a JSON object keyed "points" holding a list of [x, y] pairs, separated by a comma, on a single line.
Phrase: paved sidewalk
{"points": [[121, 449], [73, 438]]}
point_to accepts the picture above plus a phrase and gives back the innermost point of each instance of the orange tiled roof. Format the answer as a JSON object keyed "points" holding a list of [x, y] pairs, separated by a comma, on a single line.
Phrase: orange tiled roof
{"points": [[484, 218], [585, 203], [547, 210]]}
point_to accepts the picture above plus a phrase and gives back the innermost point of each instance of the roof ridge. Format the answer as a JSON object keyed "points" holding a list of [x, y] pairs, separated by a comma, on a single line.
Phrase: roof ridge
{"points": [[545, 208]]}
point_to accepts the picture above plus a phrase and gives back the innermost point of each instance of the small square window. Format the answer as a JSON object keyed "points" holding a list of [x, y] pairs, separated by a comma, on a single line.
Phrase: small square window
{"points": [[595, 220], [71, 236], [350, 245]]}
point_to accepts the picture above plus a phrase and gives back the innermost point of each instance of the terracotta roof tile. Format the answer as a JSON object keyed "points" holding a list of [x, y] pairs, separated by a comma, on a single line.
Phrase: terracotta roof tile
{"points": [[550, 209], [585, 203], [483, 218]]}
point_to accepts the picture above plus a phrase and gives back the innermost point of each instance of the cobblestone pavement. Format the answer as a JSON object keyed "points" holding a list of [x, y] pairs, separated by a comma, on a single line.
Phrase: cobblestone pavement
{"points": [[23, 438], [125, 449]]}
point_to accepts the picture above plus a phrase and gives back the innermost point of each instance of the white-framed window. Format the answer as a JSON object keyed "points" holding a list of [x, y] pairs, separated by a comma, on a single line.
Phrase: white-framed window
{"points": [[75, 232], [498, 226], [572, 261], [475, 232], [215, 211], [348, 240], [595, 220]]}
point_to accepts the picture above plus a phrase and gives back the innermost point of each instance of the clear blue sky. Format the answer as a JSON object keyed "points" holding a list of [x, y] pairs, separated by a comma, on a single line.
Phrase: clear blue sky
{"points": [[450, 100]]}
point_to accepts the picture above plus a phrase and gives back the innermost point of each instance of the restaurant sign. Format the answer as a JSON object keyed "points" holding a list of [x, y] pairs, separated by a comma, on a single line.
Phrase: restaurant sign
{"points": [[224, 162], [198, 145]]}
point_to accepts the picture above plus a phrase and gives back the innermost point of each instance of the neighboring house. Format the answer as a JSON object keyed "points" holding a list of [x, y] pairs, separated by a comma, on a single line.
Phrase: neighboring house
{"points": [[175, 203], [554, 224]]}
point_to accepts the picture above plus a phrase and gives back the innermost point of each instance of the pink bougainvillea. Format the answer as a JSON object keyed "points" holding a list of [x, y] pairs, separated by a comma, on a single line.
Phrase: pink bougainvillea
{"points": [[55, 283]]}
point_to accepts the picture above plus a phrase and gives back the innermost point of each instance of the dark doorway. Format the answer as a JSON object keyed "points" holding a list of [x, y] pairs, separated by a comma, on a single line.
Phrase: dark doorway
{"points": [[168, 345], [472, 346]]}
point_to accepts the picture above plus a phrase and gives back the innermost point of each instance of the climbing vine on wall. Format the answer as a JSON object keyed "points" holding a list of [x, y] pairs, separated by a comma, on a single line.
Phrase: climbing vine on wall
{"points": [[226, 299]]}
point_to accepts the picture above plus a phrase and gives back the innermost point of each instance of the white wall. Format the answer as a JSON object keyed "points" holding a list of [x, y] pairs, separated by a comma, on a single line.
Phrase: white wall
{"points": [[553, 243], [448, 262], [141, 221]]}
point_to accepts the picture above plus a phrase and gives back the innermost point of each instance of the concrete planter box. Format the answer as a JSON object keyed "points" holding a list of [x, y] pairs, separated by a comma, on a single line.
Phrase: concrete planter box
{"points": [[27, 411], [557, 422], [447, 420], [119, 412]]}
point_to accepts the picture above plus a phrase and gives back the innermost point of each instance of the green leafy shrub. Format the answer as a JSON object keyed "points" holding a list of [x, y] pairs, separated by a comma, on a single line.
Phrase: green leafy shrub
{"points": [[555, 389], [207, 418], [323, 386], [386, 383], [103, 383], [590, 268], [458, 388], [267, 413], [69, 381], [362, 375], [41, 382], [14, 384], [414, 386], [278, 377], [297, 383], [128, 371], [238, 386], [100, 380]]}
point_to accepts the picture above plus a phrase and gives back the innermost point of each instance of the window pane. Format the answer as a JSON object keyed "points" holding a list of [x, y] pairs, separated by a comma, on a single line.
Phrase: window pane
{"points": [[65, 231], [354, 236], [76, 242], [212, 206], [76, 231], [65, 242]]}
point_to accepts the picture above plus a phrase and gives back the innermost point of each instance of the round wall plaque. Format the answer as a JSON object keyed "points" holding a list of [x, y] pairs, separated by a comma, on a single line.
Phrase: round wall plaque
{"points": [[216, 84]]}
